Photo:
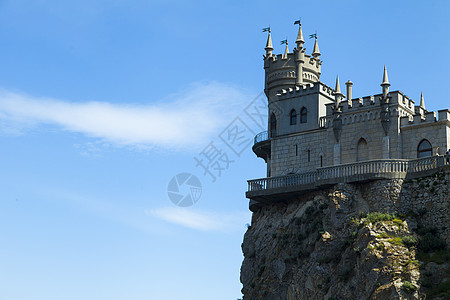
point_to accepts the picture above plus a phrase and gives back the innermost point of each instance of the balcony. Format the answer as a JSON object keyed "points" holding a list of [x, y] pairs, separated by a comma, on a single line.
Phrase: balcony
{"points": [[272, 189], [261, 145]]}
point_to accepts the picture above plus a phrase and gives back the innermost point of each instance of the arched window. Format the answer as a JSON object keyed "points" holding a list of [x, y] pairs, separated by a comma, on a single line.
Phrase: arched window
{"points": [[303, 115], [424, 149], [273, 125], [293, 117], [362, 151]]}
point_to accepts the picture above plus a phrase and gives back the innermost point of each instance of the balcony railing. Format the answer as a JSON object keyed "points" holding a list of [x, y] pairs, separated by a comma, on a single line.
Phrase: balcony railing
{"points": [[262, 136], [367, 170]]}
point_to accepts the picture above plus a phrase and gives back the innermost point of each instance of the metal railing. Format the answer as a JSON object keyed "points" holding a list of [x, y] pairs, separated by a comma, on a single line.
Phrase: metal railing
{"points": [[392, 168], [262, 136]]}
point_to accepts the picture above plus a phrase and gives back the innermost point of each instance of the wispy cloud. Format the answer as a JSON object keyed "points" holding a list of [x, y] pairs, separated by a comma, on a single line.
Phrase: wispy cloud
{"points": [[201, 220], [187, 119]]}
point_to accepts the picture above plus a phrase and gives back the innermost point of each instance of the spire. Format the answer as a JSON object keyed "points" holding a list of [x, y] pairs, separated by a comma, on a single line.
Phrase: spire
{"points": [[286, 51], [269, 47], [422, 102], [299, 40], [316, 52], [337, 90], [385, 78], [385, 84]]}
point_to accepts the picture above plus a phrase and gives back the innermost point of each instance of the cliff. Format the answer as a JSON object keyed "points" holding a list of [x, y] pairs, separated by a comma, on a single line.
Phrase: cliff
{"points": [[385, 239]]}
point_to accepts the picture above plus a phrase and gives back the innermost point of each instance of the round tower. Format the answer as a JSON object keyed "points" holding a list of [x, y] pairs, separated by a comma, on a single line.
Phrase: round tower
{"points": [[284, 71]]}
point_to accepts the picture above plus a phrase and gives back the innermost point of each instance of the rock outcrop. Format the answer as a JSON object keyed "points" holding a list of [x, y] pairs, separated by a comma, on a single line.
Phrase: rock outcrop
{"points": [[385, 239]]}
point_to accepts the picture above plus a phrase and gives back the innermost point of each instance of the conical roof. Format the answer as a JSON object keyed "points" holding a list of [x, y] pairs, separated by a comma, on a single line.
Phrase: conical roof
{"points": [[385, 77], [269, 43], [337, 90], [316, 51], [422, 101], [286, 51], [299, 35]]}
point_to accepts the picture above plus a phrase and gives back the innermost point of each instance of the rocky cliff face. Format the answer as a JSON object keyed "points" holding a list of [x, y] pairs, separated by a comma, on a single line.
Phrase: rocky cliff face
{"points": [[381, 240]]}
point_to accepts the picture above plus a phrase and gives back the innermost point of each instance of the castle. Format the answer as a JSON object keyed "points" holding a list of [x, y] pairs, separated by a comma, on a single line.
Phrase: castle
{"points": [[317, 136]]}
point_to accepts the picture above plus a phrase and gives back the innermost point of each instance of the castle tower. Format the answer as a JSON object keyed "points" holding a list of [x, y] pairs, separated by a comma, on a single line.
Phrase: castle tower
{"points": [[290, 69]]}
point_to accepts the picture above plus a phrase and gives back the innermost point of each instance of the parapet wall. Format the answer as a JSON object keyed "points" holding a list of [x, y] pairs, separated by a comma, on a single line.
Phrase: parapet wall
{"points": [[427, 118], [305, 89]]}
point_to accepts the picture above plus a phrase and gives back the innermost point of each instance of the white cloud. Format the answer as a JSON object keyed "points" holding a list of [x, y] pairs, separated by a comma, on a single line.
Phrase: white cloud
{"points": [[184, 120], [201, 220]]}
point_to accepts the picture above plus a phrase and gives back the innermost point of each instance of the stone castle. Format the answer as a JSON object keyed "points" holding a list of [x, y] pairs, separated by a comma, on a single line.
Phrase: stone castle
{"points": [[355, 203], [313, 128]]}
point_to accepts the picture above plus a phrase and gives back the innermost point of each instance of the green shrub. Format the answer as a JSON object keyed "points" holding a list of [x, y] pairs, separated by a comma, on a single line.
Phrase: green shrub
{"points": [[377, 217], [383, 235], [396, 241], [408, 286], [398, 222], [410, 241]]}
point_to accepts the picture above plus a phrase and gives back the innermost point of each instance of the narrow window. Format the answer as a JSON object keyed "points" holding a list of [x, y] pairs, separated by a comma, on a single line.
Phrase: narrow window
{"points": [[321, 161], [309, 155], [273, 125], [424, 149], [293, 117], [296, 150], [303, 115]]}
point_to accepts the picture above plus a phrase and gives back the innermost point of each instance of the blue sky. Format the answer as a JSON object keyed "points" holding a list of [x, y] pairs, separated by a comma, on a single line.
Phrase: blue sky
{"points": [[103, 102]]}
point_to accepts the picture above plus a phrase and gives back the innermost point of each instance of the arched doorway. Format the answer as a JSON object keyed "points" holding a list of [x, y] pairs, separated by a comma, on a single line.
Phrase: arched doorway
{"points": [[362, 150]]}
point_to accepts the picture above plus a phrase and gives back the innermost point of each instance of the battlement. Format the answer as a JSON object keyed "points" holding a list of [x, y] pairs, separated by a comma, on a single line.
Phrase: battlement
{"points": [[305, 89], [428, 117], [370, 102]]}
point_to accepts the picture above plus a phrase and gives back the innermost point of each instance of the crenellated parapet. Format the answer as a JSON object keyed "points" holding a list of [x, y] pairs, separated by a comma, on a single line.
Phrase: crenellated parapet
{"points": [[303, 90], [427, 118], [399, 103]]}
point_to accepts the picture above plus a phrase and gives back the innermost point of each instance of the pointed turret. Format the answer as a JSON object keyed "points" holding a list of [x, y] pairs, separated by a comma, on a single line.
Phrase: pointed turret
{"points": [[422, 102], [286, 51], [337, 90], [385, 84], [299, 40], [385, 78], [269, 47], [316, 52]]}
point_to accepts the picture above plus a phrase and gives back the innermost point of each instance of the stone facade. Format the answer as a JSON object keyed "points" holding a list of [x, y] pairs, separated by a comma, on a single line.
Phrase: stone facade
{"points": [[312, 125]]}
